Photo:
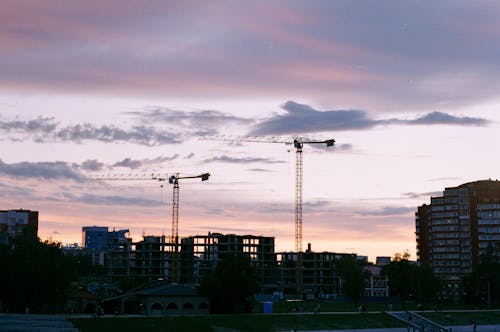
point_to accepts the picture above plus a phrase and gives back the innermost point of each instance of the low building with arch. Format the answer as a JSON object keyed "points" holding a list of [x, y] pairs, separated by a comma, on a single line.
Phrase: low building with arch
{"points": [[162, 299]]}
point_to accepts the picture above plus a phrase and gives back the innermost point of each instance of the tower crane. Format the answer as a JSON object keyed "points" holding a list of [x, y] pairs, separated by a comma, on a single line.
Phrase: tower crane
{"points": [[172, 179], [298, 144]]}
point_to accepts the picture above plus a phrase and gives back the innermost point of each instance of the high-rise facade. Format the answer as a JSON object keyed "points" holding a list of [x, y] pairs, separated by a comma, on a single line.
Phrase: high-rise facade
{"points": [[457, 228], [14, 223]]}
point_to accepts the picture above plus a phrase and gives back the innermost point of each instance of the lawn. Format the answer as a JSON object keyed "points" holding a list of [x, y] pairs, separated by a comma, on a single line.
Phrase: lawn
{"points": [[332, 306], [249, 322]]}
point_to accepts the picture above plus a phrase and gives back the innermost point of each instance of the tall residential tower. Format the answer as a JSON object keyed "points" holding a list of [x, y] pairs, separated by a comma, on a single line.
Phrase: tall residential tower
{"points": [[457, 228]]}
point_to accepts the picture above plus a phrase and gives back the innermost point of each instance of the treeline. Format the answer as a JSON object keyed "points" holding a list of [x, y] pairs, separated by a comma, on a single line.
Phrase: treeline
{"points": [[410, 281], [419, 284], [482, 286], [37, 275]]}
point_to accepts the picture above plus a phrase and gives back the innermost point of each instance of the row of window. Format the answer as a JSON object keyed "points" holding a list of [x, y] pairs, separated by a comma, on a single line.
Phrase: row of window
{"points": [[495, 237], [444, 208], [489, 230], [488, 207], [447, 270], [446, 256], [445, 243], [445, 228], [446, 263], [444, 215], [485, 244], [488, 222], [488, 214], [445, 249]]}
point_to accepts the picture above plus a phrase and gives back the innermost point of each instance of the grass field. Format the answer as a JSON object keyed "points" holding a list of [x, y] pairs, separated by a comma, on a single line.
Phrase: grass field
{"points": [[249, 322]]}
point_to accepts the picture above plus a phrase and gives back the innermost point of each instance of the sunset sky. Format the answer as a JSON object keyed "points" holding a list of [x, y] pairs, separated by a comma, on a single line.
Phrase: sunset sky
{"points": [[410, 91]]}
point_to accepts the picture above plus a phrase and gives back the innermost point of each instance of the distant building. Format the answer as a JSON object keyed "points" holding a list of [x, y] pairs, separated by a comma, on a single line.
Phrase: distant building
{"points": [[159, 298], [95, 238], [72, 249], [151, 258], [14, 223], [201, 253], [456, 229], [377, 284], [319, 276], [382, 260], [111, 249]]}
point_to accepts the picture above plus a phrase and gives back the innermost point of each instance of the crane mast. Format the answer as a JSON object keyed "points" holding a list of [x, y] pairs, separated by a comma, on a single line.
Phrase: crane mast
{"points": [[299, 167], [298, 143], [175, 212], [173, 179]]}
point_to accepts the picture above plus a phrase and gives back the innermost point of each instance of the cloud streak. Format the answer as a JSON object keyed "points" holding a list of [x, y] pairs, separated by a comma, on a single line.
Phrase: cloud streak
{"points": [[244, 160], [388, 211], [63, 170], [185, 119], [301, 118], [141, 135], [139, 163], [41, 170], [423, 195], [47, 130], [153, 127]]}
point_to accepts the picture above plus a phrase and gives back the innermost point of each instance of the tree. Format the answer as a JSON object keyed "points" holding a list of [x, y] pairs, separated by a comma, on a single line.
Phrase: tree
{"points": [[353, 275], [231, 286], [482, 285], [36, 275], [426, 284], [410, 281]]}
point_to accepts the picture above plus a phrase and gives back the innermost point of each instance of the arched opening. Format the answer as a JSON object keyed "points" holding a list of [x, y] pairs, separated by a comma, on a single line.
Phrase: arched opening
{"points": [[172, 306], [188, 306], [156, 309], [156, 306]]}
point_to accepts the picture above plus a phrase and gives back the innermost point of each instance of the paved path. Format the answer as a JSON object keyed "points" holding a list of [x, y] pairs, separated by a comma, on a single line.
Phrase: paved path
{"points": [[35, 323], [466, 328]]}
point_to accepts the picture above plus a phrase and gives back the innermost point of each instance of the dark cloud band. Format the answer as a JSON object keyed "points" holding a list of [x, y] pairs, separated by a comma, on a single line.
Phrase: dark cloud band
{"points": [[301, 118]]}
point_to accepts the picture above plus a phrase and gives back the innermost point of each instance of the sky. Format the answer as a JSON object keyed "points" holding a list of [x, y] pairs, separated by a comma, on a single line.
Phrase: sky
{"points": [[409, 90]]}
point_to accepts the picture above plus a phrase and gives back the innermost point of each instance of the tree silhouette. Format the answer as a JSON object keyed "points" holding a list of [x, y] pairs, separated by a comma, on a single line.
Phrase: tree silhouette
{"points": [[410, 281], [353, 274], [482, 286], [35, 275], [231, 286]]}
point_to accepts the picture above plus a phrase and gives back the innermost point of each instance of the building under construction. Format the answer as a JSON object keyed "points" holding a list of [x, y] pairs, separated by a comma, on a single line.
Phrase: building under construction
{"points": [[151, 259], [319, 276], [201, 253]]}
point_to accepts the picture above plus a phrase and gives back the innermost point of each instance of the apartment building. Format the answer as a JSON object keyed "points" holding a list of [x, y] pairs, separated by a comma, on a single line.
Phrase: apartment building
{"points": [[14, 223], [455, 229], [111, 249]]}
